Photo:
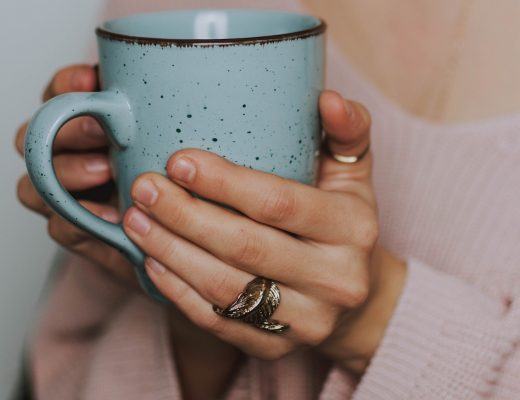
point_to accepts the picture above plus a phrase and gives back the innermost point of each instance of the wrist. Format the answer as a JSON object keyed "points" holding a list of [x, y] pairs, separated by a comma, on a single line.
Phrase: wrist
{"points": [[361, 332]]}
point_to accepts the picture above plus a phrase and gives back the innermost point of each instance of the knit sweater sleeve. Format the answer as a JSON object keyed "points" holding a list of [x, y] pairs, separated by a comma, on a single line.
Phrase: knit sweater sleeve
{"points": [[446, 340]]}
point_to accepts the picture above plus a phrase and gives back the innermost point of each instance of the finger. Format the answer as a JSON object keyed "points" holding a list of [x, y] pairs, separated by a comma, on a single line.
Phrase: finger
{"points": [[215, 281], [346, 123], [247, 338], [347, 126], [75, 172], [82, 171], [244, 244], [83, 133], [79, 241], [69, 235], [266, 198], [238, 241], [19, 140], [29, 197], [76, 78]]}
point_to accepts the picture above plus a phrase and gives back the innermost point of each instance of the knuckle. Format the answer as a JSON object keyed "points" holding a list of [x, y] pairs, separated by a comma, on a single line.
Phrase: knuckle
{"points": [[367, 117], [278, 205], [367, 233], [91, 250], [176, 214], [319, 332], [61, 81], [221, 289], [218, 182], [362, 120], [55, 229], [173, 213], [214, 323], [20, 138], [168, 250], [70, 169], [180, 295], [350, 290], [57, 82], [356, 294], [22, 192], [249, 248], [65, 233], [28, 197]]}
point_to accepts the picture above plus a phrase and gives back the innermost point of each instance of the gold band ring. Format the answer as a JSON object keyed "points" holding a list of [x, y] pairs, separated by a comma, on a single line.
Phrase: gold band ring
{"points": [[350, 159]]}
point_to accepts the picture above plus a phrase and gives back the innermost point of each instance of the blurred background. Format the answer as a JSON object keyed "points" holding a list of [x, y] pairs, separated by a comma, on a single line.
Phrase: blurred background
{"points": [[38, 37]]}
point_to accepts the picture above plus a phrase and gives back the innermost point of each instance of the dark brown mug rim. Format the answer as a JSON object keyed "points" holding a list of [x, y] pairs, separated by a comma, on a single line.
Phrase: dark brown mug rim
{"points": [[318, 29]]}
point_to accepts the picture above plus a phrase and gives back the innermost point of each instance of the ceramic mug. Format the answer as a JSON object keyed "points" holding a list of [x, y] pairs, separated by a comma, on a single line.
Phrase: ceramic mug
{"points": [[241, 83]]}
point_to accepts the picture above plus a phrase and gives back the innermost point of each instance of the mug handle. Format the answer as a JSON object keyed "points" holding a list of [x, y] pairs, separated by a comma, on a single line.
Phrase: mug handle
{"points": [[112, 110]]}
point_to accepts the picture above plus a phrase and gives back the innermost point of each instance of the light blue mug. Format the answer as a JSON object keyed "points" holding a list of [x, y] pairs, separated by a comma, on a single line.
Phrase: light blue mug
{"points": [[243, 84]]}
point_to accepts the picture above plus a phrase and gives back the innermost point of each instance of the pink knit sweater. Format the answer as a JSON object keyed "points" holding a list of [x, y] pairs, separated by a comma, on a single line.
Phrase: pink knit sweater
{"points": [[449, 204]]}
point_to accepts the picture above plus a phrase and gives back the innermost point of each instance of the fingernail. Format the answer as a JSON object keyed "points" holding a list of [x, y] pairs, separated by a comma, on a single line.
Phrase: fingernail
{"points": [[76, 80], [183, 170], [111, 216], [155, 266], [146, 193], [92, 128], [139, 222], [97, 165]]}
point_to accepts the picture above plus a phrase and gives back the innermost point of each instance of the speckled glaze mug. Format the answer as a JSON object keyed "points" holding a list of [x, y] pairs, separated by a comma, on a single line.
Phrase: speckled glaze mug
{"points": [[243, 84]]}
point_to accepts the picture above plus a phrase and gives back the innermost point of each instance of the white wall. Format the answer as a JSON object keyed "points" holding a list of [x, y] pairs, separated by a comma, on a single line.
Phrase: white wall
{"points": [[36, 37]]}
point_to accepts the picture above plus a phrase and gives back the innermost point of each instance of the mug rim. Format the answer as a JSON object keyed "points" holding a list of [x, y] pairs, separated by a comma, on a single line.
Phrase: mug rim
{"points": [[320, 28]]}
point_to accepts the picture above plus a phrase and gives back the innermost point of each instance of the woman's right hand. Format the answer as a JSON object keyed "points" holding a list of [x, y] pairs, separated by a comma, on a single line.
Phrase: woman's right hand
{"points": [[81, 164]]}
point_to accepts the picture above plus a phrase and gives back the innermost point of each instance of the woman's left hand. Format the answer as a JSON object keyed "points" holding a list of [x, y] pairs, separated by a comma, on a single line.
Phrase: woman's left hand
{"points": [[317, 243]]}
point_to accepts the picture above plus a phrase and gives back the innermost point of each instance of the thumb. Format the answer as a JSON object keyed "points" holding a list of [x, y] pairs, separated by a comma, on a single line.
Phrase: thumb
{"points": [[346, 123], [347, 133]]}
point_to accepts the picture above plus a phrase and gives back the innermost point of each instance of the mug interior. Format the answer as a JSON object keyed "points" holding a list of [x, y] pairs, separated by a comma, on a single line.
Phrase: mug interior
{"points": [[212, 25]]}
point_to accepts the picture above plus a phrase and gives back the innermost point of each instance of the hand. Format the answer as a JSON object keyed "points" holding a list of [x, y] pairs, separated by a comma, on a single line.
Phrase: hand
{"points": [[317, 243], [81, 165]]}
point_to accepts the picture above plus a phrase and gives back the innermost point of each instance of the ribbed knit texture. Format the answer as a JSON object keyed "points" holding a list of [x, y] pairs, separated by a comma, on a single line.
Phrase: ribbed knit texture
{"points": [[449, 204]]}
